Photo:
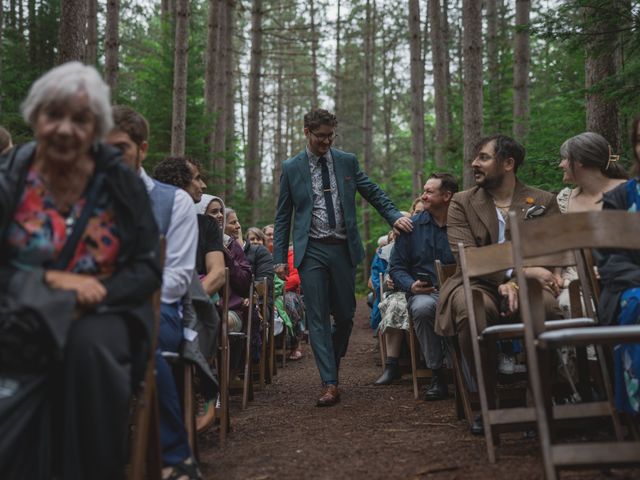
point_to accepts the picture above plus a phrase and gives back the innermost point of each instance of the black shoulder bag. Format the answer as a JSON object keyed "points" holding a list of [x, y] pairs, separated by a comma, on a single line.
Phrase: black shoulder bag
{"points": [[26, 342]]}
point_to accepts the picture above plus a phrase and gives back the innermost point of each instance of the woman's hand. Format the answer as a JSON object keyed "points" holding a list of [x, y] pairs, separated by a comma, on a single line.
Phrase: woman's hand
{"points": [[89, 290]]}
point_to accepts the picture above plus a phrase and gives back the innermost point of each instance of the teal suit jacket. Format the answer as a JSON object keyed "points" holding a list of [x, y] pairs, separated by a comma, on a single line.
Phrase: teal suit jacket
{"points": [[296, 202]]}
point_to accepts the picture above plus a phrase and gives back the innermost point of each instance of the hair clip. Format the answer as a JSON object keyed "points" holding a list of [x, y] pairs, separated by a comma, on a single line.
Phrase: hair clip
{"points": [[612, 159]]}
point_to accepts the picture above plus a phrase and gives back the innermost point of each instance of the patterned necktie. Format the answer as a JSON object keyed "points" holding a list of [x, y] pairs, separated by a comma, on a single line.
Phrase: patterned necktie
{"points": [[326, 188]]}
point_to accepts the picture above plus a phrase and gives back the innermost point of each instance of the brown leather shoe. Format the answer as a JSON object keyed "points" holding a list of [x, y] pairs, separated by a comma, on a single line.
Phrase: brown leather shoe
{"points": [[329, 397]]}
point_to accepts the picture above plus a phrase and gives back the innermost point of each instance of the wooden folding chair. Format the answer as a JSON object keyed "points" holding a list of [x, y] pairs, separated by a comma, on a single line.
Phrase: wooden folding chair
{"points": [[462, 395], [261, 289], [245, 337], [223, 362], [145, 442], [572, 232], [480, 262]]}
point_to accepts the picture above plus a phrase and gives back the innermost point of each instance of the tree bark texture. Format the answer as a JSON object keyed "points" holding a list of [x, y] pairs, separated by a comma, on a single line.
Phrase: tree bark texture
{"points": [[229, 103], [221, 91], [472, 84], [493, 65], [91, 55], [367, 122], [112, 44], [314, 57], [279, 140], [521, 67], [253, 161], [337, 100], [439, 54], [72, 34], [417, 97], [179, 117], [600, 66], [211, 54]]}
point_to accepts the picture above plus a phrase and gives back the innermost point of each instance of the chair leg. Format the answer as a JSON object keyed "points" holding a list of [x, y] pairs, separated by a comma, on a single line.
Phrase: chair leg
{"points": [[189, 414], [461, 387], [414, 359], [606, 380]]}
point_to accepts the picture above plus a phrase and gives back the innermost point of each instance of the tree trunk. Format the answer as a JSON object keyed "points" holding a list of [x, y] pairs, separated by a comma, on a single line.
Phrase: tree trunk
{"points": [[493, 61], [337, 100], [91, 54], [72, 34], [33, 42], [417, 97], [179, 117], [253, 160], [472, 95], [314, 57], [439, 54], [211, 67], [112, 44], [367, 123], [221, 91], [229, 111], [279, 140], [600, 65], [521, 64], [446, 34]]}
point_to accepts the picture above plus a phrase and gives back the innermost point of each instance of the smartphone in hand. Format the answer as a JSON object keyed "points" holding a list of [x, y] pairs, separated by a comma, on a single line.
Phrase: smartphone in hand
{"points": [[425, 278]]}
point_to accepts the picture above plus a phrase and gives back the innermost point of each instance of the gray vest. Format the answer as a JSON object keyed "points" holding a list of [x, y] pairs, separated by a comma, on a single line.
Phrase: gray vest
{"points": [[162, 197]]}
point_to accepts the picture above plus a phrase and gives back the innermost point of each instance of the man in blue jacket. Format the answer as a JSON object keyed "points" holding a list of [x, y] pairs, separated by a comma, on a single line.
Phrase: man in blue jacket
{"points": [[317, 189], [412, 263]]}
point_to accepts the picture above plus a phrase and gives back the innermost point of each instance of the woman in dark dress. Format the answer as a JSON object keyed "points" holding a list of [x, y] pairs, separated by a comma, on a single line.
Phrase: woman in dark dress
{"points": [[68, 418]]}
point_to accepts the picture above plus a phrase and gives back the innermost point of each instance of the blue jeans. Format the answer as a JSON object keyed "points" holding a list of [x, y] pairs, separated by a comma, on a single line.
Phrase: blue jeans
{"points": [[173, 435]]}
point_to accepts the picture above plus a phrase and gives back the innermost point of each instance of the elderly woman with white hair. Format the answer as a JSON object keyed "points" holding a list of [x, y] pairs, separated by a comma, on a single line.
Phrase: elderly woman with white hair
{"points": [[78, 264]]}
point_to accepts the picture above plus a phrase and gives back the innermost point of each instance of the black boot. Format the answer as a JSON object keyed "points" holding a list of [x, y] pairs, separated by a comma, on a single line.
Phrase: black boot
{"points": [[437, 390], [391, 373]]}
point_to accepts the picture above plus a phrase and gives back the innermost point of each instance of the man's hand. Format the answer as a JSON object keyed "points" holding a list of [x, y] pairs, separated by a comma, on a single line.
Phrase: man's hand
{"points": [[390, 284], [89, 290], [422, 288], [548, 279], [404, 224], [510, 291], [281, 271]]}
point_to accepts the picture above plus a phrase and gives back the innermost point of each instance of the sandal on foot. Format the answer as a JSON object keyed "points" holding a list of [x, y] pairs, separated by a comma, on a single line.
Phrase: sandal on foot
{"points": [[186, 469]]}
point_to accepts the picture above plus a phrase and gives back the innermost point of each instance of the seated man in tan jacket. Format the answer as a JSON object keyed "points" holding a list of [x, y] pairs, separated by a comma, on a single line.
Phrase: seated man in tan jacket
{"points": [[478, 217]]}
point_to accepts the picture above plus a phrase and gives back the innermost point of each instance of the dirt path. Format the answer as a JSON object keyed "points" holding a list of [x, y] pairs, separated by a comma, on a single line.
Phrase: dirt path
{"points": [[374, 433]]}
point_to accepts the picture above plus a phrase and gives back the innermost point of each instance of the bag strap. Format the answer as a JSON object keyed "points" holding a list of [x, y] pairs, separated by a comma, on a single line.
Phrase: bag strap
{"points": [[70, 245]]}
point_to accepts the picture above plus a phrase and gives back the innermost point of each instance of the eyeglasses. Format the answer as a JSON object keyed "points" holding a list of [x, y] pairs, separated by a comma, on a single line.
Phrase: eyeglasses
{"points": [[331, 137]]}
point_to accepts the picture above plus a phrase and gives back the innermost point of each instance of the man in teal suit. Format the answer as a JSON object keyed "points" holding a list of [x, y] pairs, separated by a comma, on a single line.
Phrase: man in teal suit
{"points": [[317, 189]]}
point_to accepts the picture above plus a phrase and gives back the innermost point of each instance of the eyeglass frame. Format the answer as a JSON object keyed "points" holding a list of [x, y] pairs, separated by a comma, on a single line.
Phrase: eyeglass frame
{"points": [[322, 138]]}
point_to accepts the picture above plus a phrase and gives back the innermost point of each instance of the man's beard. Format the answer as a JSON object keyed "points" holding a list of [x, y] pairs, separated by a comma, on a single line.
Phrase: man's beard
{"points": [[489, 182]]}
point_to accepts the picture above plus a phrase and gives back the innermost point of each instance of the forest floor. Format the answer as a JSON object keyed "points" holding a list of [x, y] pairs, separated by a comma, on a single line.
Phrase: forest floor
{"points": [[373, 433]]}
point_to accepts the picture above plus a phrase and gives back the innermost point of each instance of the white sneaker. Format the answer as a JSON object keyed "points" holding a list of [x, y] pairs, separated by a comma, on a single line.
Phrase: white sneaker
{"points": [[506, 364], [519, 368]]}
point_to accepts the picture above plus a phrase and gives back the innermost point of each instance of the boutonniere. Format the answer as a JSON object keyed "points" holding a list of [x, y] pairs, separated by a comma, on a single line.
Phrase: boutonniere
{"points": [[532, 210]]}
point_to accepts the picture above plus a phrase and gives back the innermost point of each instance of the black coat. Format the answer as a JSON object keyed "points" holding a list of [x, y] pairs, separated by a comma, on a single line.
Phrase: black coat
{"points": [[137, 273]]}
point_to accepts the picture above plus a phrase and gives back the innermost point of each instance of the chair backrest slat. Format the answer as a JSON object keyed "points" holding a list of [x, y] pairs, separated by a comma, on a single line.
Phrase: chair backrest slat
{"points": [[556, 233]]}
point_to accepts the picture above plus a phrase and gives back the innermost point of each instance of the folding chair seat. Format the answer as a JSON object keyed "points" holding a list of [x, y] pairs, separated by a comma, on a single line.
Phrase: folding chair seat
{"points": [[480, 262], [573, 232]]}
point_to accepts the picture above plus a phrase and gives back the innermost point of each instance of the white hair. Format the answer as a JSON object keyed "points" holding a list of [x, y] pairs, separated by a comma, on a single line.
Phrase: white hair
{"points": [[61, 84]]}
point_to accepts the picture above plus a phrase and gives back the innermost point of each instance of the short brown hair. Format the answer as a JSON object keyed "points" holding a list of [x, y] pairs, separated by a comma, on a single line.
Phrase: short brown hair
{"points": [[505, 147], [448, 182], [318, 117], [127, 120], [174, 171]]}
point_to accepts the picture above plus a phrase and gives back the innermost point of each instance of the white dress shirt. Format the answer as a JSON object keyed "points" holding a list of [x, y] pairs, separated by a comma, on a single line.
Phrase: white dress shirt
{"points": [[182, 242]]}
